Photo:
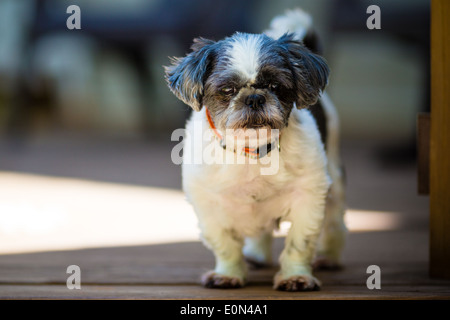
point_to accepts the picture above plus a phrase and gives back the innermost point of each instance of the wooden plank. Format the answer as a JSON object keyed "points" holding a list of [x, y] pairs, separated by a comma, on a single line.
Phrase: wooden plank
{"points": [[423, 153], [196, 292], [440, 140]]}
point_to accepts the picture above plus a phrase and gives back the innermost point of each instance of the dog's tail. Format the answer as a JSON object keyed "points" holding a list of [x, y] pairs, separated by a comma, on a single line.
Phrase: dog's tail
{"points": [[299, 23]]}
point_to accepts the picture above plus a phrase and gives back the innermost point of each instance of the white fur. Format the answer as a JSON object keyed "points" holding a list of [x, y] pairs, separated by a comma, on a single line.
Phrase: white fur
{"points": [[234, 201], [245, 56]]}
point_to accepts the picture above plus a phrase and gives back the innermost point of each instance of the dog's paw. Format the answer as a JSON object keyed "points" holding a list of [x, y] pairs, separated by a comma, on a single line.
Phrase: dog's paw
{"points": [[215, 280], [297, 283], [324, 263]]}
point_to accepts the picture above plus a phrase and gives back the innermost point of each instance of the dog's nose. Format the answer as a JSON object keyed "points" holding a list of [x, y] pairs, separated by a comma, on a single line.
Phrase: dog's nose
{"points": [[255, 101]]}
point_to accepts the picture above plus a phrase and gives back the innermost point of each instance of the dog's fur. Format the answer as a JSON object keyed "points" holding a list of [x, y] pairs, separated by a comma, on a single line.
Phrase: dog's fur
{"points": [[237, 207]]}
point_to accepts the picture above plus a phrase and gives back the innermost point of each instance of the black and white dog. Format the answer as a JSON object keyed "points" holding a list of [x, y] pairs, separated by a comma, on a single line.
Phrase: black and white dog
{"points": [[269, 84]]}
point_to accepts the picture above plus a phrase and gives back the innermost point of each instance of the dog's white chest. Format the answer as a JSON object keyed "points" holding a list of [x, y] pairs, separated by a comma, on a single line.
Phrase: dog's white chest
{"points": [[253, 191], [252, 203]]}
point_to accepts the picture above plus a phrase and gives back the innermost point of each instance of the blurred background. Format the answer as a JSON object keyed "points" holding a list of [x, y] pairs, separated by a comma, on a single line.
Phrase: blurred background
{"points": [[92, 104]]}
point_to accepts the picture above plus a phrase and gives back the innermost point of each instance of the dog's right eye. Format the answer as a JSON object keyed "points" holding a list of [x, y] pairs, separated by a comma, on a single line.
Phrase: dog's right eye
{"points": [[228, 90]]}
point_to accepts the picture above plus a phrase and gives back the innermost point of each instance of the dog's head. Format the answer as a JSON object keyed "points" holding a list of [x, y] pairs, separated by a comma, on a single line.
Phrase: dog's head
{"points": [[248, 80]]}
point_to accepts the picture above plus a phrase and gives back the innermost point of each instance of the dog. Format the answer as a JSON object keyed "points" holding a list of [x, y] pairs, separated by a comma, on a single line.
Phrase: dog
{"points": [[271, 82]]}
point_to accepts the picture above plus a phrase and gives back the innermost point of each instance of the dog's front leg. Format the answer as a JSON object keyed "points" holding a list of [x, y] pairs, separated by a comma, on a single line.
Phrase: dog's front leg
{"points": [[230, 270], [307, 217]]}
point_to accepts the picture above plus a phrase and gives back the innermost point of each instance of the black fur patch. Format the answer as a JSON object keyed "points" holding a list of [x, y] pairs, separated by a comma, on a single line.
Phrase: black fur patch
{"points": [[321, 119], [312, 42]]}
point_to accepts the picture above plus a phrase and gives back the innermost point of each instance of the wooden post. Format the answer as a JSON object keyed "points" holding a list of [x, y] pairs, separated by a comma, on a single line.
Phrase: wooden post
{"points": [[440, 140], [423, 153]]}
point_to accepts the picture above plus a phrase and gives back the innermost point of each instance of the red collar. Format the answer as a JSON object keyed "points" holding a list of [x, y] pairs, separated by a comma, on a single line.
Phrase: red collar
{"points": [[254, 153]]}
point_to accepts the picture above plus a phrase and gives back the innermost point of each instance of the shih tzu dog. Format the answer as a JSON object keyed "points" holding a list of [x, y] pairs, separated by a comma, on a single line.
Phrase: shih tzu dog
{"points": [[261, 98]]}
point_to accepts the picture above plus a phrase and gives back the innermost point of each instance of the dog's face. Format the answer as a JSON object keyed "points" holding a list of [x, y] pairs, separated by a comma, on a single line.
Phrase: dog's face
{"points": [[248, 81]]}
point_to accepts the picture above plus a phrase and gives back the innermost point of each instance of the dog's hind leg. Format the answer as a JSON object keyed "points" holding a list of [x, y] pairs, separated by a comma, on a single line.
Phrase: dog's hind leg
{"points": [[332, 240]]}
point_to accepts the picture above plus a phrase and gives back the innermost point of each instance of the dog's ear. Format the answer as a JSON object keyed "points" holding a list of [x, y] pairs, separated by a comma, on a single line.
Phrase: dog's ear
{"points": [[310, 71], [186, 76]]}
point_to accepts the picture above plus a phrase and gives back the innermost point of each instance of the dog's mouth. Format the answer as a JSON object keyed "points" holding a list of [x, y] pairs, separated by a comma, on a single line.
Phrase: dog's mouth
{"points": [[258, 123], [252, 137], [263, 119], [256, 126]]}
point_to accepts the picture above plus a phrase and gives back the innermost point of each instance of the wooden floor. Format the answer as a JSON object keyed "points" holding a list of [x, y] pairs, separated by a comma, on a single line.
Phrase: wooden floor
{"points": [[172, 270]]}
